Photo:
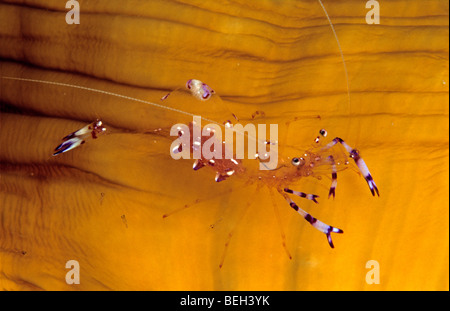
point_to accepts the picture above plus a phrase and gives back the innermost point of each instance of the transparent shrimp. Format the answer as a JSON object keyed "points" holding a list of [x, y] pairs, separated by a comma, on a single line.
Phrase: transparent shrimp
{"points": [[309, 163], [312, 162]]}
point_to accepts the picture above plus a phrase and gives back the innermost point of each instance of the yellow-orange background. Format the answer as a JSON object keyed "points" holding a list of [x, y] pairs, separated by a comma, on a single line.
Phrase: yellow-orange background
{"points": [[102, 203]]}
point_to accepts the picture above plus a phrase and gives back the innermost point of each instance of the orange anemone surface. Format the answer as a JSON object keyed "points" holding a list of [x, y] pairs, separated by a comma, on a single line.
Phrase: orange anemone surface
{"points": [[102, 204]]}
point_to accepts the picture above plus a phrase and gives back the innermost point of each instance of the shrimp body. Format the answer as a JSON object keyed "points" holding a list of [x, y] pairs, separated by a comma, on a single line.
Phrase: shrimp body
{"points": [[223, 166]]}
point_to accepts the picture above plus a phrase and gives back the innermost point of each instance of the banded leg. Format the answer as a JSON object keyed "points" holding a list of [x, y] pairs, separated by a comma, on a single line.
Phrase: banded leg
{"points": [[311, 197], [354, 154], [333, 178], [323, 227]]}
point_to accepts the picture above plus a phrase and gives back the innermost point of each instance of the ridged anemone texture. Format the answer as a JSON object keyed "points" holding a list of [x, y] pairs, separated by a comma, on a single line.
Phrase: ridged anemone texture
{"points": [[102, 204]]}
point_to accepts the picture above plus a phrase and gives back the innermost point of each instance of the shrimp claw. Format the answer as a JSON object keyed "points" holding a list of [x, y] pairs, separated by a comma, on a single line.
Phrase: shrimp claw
{"points": [[199, 89], [354, 154]]}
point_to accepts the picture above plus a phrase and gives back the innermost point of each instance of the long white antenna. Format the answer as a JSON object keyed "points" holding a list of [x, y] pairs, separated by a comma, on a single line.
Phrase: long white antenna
{"points": [[129, 98], [340, 50], [111, 94]]}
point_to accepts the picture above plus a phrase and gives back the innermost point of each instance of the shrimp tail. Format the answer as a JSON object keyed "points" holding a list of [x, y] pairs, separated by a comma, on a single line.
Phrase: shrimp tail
{"points": [[78, 137], [68, 145]]}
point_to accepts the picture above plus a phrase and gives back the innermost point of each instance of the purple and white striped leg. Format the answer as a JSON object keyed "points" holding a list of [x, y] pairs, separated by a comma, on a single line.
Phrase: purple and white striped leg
{"points": [[354, 154], [311, 197], [323, 227], [333, 178]]}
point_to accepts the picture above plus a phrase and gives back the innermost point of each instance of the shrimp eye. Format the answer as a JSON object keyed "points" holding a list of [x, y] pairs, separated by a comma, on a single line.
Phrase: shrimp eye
{"points": [[298, 161]]}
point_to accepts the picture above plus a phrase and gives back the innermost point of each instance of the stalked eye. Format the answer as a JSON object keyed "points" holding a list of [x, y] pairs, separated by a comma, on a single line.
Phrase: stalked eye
{"points": [[298, 161]]}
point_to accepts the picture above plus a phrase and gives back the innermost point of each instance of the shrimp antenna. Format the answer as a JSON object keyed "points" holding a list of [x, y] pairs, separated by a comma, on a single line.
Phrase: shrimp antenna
{"points": [[340, 50], [109, 93], [122, 96]]}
